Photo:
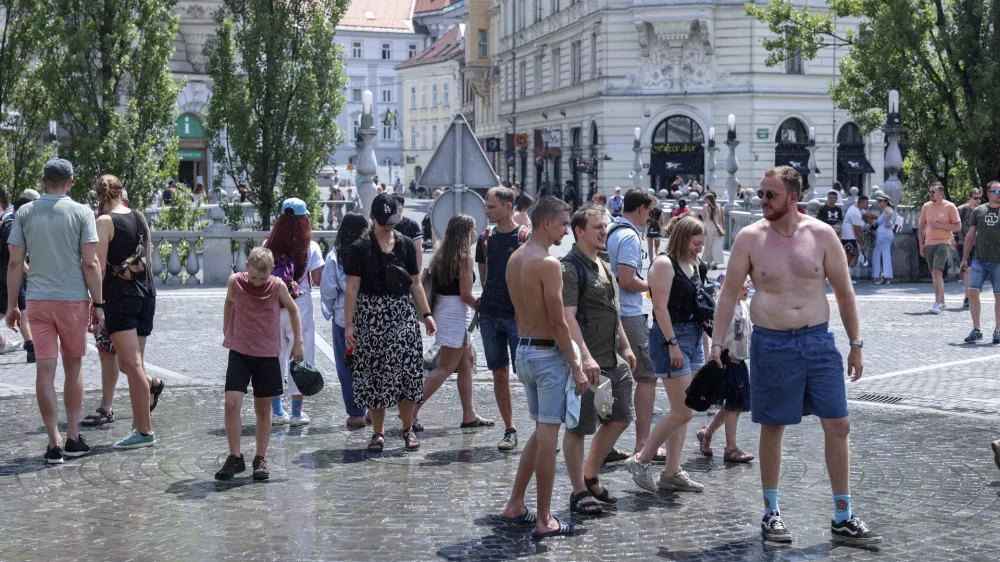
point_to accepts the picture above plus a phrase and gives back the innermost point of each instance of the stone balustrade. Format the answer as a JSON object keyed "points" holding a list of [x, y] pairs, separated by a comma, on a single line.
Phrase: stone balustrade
{"points": [[332, 212]]}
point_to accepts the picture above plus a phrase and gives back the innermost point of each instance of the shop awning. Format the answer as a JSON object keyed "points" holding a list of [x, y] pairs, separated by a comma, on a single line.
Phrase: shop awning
{"points": [[854, 163], [798, 159]]}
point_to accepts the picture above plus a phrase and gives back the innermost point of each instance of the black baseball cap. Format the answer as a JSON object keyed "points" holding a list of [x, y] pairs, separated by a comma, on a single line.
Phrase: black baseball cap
{"points": [[384, 209]]}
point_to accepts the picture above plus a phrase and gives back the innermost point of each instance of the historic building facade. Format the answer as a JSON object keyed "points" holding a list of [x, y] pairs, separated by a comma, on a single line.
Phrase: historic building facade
{"points": [[432, 88], [576, 77]]}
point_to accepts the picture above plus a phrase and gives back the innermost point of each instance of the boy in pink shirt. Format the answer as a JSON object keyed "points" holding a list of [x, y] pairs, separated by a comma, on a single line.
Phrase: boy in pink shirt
{"points": [[251, 323]]}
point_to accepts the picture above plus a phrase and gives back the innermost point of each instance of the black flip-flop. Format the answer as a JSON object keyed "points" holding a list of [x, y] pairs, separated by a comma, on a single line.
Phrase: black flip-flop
{"points": [[478, 422], [529, 517], [563, 530], [155, 390]]}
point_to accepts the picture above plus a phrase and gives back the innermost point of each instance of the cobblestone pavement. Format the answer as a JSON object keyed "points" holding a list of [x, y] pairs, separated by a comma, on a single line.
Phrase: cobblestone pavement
{"points": [[922, 474]]}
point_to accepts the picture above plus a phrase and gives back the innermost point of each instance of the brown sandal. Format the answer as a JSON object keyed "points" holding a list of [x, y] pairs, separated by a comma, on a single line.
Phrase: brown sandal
{"points": [[99, 418], [155, 389]]}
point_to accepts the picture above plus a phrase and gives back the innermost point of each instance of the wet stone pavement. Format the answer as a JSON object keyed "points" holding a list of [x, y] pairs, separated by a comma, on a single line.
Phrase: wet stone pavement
{"points": [[923, 475]]}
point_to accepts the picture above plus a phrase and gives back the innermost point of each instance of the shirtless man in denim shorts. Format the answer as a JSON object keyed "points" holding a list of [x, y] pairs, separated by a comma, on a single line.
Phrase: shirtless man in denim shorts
{"points": [[796, 368], [546, 359]]}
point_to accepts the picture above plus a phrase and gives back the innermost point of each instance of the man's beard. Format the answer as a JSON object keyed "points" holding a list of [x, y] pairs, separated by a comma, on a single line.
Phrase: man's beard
{"points": [[775, 214]]}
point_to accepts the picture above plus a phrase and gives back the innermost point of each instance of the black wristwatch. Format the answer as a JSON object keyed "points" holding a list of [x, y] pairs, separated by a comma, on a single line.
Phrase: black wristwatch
{"points": [[672, 341], [97, 305], [427, 315]]}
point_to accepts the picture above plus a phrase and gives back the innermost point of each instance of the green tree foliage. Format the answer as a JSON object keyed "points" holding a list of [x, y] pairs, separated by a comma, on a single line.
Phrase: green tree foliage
{"points": [[24, 107], [106, 73], [278, 88], [942, 55]]}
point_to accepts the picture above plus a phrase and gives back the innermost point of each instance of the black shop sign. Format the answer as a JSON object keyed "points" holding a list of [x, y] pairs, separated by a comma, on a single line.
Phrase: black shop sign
{"points": [[673, 158]]}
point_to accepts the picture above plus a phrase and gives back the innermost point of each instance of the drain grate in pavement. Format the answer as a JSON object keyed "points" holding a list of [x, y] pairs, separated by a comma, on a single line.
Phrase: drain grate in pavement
{"points": [[880, 398]]}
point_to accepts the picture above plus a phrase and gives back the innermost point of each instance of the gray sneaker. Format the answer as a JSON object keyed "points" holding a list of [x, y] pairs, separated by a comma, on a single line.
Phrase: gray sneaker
{"points": [[679, 482], [10, 347], [509, 441], [640, 473]]}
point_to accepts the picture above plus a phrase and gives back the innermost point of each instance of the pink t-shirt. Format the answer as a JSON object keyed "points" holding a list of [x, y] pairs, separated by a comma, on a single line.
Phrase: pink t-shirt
{"points": [[255, 325], [941, 211]]}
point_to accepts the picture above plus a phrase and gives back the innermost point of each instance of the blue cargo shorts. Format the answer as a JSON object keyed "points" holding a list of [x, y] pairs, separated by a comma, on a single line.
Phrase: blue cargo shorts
{"points": [[979, 271], [795, 373], [499, 337]]}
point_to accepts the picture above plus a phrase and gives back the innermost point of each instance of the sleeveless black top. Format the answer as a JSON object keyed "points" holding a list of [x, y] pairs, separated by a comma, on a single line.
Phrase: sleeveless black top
{"points": [[451, 289], [127, 272]]}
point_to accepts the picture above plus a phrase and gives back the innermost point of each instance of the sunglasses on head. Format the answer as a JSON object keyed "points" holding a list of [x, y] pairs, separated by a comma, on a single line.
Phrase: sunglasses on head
{"points": [[769, 194]]}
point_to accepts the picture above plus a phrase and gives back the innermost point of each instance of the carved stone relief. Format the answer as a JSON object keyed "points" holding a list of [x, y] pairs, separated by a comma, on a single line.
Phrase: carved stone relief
{"points": [[675, 55]]}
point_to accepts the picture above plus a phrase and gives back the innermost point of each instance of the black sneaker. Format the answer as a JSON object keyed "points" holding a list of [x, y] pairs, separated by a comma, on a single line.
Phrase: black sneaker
{"points": [[260, 471], [773, 529], [996, 336], [965, 303], [76, 448], [975, 335], [233, 466], [854, 532], [31, 356], [53, 455]]}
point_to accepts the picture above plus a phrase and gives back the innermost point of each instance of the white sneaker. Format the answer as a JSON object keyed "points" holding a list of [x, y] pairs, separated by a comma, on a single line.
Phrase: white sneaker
{"points": [[300, 420], [943, 305], [936, 309], [280, 420], [10, 347]]}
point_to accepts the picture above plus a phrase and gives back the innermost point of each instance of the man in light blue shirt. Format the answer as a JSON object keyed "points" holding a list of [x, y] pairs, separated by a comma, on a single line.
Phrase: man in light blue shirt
{"points": [[625, 250], [64, 297]]}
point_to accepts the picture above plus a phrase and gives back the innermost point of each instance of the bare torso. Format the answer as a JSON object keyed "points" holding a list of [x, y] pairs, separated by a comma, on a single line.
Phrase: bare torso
{"points": [[524, 281], [521, 218], [788, 274]]}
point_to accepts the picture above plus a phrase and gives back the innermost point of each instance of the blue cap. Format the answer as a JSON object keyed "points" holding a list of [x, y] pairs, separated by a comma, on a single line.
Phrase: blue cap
{"points": [[58, 169], [295, 207]]}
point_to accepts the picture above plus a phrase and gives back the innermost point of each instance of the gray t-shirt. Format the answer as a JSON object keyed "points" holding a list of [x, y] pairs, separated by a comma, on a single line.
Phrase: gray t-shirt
{"points": [[52, 230], [986, 219]]}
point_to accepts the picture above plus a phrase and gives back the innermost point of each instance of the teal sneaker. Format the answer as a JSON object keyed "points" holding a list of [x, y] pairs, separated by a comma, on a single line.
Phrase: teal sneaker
{"points": [[136, 440]]}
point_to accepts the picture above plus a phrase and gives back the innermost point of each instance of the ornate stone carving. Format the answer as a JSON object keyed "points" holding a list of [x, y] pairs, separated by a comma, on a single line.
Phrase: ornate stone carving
{"points": [[676, 55]]}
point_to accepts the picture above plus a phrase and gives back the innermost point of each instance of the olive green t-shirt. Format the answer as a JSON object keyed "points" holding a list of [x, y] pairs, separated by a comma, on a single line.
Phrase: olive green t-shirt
{"points": [[986, 219]]}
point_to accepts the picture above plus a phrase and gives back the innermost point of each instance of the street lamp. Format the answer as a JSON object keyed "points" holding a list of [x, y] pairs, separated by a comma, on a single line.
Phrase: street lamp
{"points": [[637, 163], [732, 165], [893, 187]]}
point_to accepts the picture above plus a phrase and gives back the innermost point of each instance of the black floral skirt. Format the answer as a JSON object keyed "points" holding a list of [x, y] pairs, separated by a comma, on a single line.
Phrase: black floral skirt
{"points": [[389, 357]]}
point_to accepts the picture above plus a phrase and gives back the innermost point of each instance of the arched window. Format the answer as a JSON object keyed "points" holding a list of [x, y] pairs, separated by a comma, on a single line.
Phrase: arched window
{"points": [[677, 153], [852, 165], [791, 149]]}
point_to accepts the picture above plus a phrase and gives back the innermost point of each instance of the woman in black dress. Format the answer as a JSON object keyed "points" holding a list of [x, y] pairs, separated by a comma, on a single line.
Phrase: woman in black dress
{"points": [[383, 283]]}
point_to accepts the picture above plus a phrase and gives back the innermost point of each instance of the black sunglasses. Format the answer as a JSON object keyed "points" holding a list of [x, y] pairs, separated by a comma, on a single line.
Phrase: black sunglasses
{"points": [[770, 194]]}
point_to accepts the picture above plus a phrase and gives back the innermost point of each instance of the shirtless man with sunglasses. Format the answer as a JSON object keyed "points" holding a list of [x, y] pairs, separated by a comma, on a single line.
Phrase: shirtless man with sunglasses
{"points": [[797, 368]]}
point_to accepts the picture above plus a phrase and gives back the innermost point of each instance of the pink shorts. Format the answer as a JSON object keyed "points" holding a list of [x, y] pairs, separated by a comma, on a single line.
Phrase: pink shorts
{"points": [[67, 321]]}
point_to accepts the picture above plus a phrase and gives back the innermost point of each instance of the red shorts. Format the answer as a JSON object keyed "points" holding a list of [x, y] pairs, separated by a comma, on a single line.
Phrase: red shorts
{"points": [[59, 321]]}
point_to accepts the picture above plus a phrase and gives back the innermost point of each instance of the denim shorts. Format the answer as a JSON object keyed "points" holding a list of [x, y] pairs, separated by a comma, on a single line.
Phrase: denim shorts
{"points": [[689, 341], [980, 270], [499, 336], [795, 373], [544, 374]]}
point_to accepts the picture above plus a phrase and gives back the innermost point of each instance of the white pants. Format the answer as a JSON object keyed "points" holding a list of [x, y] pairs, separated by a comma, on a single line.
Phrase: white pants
{"points": [[882, 257], [713, 245], [287, 337]]}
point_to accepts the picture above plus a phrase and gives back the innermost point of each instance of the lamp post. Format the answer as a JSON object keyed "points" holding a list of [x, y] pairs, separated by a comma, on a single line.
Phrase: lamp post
{"points": [[366, 162], [893, 188], [637, 163], [813, 168], [732, 165], [710, 169]]}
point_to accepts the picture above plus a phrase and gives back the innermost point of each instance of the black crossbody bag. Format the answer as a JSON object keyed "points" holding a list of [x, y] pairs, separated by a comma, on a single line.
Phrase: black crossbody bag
{"points": [[397, 279]]}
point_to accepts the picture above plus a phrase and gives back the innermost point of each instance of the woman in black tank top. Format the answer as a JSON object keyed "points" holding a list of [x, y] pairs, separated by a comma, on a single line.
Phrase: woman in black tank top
{"points": [[451, 272], [675, 344], [129, 295]]}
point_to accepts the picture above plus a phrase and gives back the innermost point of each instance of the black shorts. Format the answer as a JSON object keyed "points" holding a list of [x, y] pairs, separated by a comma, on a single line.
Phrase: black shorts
{"points": [[263, 372], [130, 313], [21, 302], [850, 246]]}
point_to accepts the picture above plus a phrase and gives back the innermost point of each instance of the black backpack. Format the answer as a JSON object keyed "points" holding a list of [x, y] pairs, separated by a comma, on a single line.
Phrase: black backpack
{"points": [[5, 227]]}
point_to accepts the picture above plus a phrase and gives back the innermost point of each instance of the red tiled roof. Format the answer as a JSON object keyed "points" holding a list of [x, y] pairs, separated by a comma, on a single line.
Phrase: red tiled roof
{"points": [[432, 5], [447, 47], [395, 15]]}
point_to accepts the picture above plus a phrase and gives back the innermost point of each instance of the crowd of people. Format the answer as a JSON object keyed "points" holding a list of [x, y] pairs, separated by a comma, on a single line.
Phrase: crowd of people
{"points": [[575, 330]]}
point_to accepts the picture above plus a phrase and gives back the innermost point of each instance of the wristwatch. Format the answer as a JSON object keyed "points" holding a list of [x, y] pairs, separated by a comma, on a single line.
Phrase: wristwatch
{"points": [[427, 315], [859, 343], [97, 304], [672, 341]]}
